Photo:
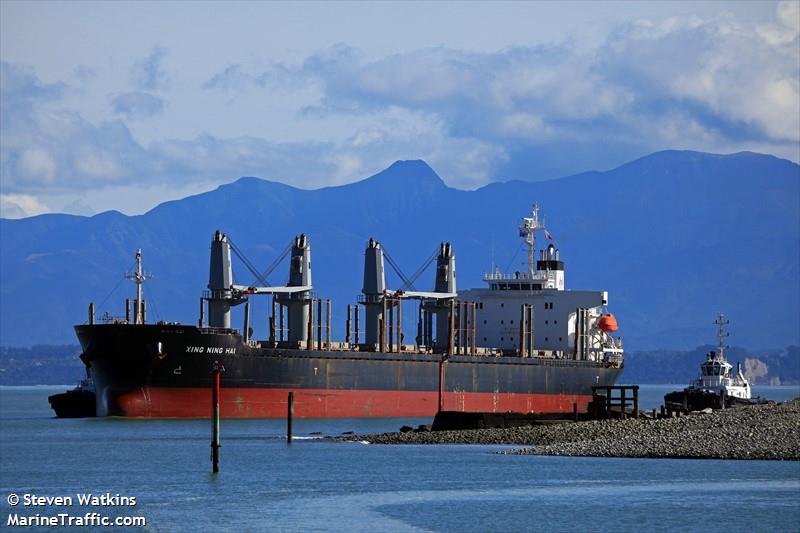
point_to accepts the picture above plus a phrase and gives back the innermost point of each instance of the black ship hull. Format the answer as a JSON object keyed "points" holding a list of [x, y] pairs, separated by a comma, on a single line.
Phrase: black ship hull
{"points": [[159, 370]]}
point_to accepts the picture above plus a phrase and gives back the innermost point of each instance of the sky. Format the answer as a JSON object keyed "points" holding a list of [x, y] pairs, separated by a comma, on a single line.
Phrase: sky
{"points": [[124, 105]]}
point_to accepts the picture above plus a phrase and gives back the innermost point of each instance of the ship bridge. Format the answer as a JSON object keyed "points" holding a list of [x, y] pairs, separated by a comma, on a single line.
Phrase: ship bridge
{"points": [[549, 274]]}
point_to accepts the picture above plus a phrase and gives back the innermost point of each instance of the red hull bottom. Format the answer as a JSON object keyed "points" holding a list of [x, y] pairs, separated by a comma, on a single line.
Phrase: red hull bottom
{"points": [[321, 403]]}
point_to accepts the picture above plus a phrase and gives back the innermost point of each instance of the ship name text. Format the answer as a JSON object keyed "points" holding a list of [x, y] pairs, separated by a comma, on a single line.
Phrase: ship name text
{"points": [[216, 350]]}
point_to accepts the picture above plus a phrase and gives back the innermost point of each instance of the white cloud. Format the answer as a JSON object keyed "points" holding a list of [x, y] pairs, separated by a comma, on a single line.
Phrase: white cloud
{"points": [[98, 164], [36, 165], [21, 205], [136, 104], [148, 73], [704, 83], [787, 26]]}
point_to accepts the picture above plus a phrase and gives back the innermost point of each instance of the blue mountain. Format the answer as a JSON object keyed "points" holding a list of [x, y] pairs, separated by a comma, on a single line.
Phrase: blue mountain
{"points": [[675, 237]]}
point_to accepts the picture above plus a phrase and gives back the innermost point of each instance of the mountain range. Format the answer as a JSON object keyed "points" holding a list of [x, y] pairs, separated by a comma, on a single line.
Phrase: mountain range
{"points": [[675, 237]]}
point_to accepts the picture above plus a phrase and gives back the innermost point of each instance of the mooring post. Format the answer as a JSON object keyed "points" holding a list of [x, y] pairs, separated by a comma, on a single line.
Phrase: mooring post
{"points": [[575, 410], [289, 414], [636, 401], [216, 370]]}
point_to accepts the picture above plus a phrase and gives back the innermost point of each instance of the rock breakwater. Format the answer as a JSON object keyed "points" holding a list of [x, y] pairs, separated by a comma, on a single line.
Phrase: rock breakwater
{"points": [[770, 431]]}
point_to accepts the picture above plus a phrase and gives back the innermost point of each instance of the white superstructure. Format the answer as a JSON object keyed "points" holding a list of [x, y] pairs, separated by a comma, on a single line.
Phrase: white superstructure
{"points": [[556, 322], [715, 373]]}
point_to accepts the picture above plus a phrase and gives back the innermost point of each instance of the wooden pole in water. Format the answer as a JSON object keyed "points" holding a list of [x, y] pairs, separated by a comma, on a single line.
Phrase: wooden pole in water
{"points": [[216, 370], [289, 414]]}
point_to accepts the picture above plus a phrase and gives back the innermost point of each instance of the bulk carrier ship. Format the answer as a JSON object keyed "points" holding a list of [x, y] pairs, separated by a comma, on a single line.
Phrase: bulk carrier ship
{"points": [[523, 344]]}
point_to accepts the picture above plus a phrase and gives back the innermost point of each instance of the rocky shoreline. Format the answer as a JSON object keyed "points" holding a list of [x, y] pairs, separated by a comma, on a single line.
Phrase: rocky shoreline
{"points": [[770, 431]]}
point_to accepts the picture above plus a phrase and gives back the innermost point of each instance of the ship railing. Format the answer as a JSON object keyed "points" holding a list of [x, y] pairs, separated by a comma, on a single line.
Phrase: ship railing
{"points": [[499, 276], [215, 330]]}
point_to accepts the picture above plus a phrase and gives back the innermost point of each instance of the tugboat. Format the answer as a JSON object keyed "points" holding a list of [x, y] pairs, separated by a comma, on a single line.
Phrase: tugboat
{"points": [[76, 403], [716, 386]]}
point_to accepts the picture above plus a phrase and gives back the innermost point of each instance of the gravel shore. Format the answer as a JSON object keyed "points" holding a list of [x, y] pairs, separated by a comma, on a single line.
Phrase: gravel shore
{"points": [[770, 431]]}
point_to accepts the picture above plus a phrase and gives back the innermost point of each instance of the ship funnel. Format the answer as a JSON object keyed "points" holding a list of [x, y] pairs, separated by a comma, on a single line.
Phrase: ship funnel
{"points": [[373, 290]]}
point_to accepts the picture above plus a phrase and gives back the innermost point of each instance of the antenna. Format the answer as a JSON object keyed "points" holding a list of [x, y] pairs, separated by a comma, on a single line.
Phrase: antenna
{"points": [[721, 322], [138, 277], [527, 230]]}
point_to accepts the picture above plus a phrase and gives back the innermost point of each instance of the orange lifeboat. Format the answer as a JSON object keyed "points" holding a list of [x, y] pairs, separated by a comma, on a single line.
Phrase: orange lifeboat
{"points": [[607, 322]]}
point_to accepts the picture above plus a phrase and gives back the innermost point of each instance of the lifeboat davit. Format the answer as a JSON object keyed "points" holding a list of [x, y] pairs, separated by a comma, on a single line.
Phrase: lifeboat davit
{"points": [[607, 322]]}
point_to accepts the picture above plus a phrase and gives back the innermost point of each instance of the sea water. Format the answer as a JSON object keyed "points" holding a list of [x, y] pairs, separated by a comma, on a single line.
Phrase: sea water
{"points": [[315, 484]]}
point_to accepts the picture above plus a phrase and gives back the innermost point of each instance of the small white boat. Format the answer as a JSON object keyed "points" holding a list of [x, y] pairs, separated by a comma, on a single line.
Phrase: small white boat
{"points": [[717, 386], [715, 373]]}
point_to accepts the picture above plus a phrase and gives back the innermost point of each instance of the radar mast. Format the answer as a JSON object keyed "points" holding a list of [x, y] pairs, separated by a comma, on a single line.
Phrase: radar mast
{"points": [[721, 322], [527, 230], [138, 277]]}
